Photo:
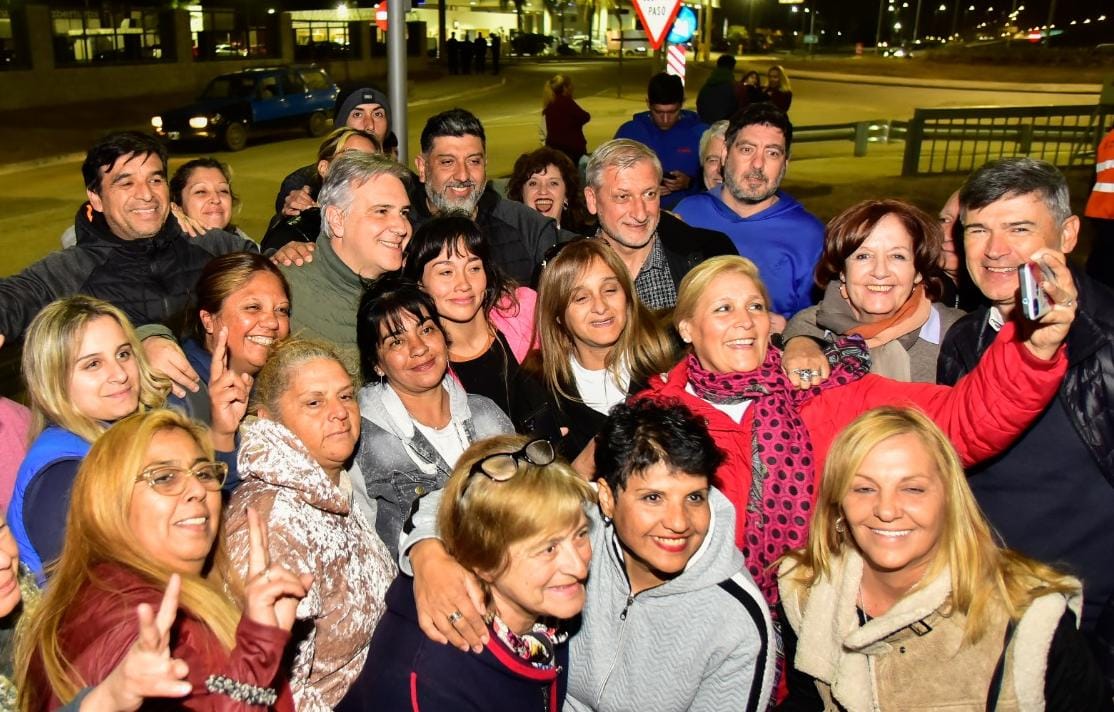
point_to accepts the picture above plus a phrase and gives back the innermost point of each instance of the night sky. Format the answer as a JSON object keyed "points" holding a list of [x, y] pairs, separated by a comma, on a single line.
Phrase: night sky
{"points": [[858, 19]]}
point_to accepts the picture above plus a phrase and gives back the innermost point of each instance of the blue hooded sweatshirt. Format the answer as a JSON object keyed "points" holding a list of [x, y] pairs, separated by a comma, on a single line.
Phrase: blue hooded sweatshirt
{"points": [[678, 148], [784, 241]]}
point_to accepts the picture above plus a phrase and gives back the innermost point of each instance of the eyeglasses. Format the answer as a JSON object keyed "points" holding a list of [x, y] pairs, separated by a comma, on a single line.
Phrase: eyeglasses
{"points": [[171, 481], [502, 466]]}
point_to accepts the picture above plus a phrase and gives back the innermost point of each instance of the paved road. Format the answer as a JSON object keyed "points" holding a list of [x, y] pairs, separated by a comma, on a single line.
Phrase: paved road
{"points": [[37, 204]]}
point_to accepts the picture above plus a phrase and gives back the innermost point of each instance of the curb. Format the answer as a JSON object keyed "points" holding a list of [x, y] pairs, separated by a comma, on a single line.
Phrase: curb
{"points": [[452, 97]]}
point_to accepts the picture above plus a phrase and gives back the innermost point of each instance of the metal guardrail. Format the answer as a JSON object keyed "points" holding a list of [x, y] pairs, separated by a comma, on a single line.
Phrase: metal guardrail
{"points": [[960, 140], [861, 133]]}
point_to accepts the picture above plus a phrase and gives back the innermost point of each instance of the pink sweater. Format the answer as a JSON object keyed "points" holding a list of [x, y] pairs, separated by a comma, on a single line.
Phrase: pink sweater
{"points": [[517, 325], [15, 421]]}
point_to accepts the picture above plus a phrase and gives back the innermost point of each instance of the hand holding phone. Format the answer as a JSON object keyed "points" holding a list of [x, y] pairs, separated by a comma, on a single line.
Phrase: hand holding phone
{"points": [[1035, 303]]}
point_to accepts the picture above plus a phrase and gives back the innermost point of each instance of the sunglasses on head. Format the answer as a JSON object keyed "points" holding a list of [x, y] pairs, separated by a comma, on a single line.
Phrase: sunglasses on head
{"points": [[502, 466]]}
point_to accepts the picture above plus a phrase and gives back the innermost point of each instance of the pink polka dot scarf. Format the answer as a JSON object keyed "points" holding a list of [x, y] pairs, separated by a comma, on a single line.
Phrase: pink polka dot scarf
{"points": [[783, 473]]}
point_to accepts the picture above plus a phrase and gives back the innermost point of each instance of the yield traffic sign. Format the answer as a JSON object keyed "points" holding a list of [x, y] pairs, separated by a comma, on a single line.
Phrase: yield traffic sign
{"points": [[657, 16]]}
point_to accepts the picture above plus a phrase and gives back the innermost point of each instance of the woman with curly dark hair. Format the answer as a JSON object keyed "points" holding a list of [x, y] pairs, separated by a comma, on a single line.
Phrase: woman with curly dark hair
{"points": [[547, 181]]}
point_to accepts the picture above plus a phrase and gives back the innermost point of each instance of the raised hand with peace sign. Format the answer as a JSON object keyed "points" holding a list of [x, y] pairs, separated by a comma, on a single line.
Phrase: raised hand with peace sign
{"points": [[272, 591], [228, 395]]}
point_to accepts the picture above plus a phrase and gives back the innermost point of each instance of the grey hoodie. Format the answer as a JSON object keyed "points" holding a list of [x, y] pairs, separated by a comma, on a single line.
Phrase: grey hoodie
{"points": [[701, 642]]}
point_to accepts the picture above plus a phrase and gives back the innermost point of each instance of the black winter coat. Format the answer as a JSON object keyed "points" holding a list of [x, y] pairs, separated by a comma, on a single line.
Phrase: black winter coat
{"points": [[151, 280], [1088, 387]]}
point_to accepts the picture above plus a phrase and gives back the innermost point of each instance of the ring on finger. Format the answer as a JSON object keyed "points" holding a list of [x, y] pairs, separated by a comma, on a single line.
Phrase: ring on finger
{"points": [[1069, 303], [454, 617], [266, 574]]}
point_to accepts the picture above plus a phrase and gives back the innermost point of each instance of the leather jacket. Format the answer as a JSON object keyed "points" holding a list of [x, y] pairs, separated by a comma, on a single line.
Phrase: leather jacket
{"points": [[1088, 388]]}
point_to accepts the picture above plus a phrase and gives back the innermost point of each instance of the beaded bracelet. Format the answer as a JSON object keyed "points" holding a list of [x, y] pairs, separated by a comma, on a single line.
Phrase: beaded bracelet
{"points": [[240, 691]]}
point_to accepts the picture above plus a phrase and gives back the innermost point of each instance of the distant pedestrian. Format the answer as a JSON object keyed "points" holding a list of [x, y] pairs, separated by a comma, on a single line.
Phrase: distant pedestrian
{"points": [[465, 49], [778, 91], [564, 119], [749, 91], [452, 54], [496, 48], [717, 98], [480, 51]]}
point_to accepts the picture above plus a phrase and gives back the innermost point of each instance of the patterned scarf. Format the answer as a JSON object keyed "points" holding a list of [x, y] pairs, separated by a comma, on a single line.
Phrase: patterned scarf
{"points": [[538, 646], [778, 508]]}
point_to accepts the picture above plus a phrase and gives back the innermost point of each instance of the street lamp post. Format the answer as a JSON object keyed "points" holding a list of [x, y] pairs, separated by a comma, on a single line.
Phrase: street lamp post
{"points": [[917, 22], [878, 32]]}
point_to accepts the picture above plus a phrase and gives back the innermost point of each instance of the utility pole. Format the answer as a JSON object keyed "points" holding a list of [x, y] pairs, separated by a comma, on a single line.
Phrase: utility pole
{"points": [[878, 32], [396, 72], [917, 22]]}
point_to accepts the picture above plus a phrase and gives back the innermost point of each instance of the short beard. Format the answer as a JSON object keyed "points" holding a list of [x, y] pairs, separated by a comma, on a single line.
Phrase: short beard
{"points": [[442, 204], [740, 193]]}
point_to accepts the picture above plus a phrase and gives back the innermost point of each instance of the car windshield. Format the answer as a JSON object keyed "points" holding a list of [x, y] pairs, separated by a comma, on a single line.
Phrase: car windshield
{"points": [[230, 88]]}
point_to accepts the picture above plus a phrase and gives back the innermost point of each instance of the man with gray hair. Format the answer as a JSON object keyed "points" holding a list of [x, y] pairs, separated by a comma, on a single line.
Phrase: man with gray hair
{"points": [[364, 230], [452, 168], [1050, 496], [622, 191]]}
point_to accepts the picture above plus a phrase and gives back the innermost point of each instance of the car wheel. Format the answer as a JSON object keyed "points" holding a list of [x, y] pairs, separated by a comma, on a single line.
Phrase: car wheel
{"points": [[235, 136], [318, 124]]}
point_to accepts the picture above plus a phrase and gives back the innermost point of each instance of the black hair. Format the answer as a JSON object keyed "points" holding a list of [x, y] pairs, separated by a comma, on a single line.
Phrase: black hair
{"points": [[640, 434], [454, 122], [390, 143], [452, 230], [103, 154], [763, 114], [665, 88], [726, 61], [386, 301], [182, 176], [1009, 177]]}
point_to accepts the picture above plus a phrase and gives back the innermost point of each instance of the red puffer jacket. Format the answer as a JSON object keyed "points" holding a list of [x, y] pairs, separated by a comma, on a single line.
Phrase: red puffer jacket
{"points": [[982, 414]]}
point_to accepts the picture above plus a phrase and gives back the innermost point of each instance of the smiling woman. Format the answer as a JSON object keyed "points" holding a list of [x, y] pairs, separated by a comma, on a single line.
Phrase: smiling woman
{"points": [[417, 419], [896, 533], [84, 370], [882, 279]]}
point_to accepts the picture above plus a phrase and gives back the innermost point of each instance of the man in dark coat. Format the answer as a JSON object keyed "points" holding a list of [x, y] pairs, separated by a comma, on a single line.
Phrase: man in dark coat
{"points": [[452, 54], [480, 52], [1051, 494], [658, 248]]}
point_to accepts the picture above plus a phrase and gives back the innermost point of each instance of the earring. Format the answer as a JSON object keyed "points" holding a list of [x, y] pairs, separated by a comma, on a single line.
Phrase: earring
{"points": [[607, 520], [839, 527]]}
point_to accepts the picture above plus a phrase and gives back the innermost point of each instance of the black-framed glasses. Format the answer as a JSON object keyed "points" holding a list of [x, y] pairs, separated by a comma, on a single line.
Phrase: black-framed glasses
{"points": [[502, 466], [171, 481]]}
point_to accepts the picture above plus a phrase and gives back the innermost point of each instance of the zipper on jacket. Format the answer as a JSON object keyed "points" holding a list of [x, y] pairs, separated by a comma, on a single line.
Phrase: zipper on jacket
{"points": [[623, 615]]}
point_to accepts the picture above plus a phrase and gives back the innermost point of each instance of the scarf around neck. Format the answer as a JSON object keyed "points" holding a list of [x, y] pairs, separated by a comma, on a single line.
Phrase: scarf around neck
{"points": [[835, 314], [778, 508]]}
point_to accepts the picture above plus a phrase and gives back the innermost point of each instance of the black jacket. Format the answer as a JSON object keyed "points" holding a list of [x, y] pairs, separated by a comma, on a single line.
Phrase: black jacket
{"points": [[303, 227], [518, 235], [151, 280], [405, 670], [686, 246], [1088, 387]]}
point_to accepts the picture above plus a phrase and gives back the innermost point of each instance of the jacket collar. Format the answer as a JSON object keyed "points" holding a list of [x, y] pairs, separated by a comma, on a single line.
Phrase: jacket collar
{"points": [[340, 273], [91, 227], [272, 454], [833, 647]]}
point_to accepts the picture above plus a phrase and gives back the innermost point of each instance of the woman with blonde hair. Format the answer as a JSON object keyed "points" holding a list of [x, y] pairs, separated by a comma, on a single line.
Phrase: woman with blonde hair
{"points": [[596, 344], [146, 507], [515, 517], [903, 600], [564, 119], [84, 369], [776, 436], [778, 90]]}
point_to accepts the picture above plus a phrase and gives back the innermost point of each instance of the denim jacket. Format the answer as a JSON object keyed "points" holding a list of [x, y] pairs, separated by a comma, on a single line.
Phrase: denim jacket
{"points": [[398, 463]]}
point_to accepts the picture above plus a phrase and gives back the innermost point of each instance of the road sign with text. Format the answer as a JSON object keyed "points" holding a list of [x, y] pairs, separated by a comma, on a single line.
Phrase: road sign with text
{"points": [[657, 16]]}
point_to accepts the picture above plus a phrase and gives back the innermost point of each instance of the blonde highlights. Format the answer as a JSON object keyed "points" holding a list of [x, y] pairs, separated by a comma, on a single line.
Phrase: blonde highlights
{"points": [[985, 577], [644, 346], [479, 528], [50, 351], [98, 532], [700, 277]]}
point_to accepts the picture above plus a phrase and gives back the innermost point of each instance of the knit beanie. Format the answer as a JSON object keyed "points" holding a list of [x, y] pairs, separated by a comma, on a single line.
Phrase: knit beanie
{"points": [[367, 95]]}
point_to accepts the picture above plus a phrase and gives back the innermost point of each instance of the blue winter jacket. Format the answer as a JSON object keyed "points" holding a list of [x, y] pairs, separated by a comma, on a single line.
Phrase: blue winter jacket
{"points": [[678, 148], [784, 240]]}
